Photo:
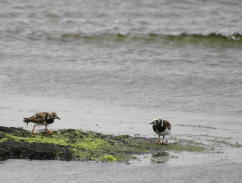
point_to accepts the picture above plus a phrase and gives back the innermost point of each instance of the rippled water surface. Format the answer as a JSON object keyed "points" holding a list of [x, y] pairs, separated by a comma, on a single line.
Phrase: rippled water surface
{"points": [[112, 66]]}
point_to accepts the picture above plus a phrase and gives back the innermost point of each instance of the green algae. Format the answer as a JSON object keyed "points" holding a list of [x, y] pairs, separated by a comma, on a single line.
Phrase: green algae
{"points": [[109, 158], [190, 148], [99, 147], [2, 137], [3, 140], [38, 139]]}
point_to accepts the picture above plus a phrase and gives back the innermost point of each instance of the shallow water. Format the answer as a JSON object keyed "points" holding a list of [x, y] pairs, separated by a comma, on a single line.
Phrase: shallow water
{"points": [[112, 66], [57, 171]]}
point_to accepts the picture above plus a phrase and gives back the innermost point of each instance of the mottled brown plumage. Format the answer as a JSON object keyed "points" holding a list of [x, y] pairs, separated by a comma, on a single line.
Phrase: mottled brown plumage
{"points": [[42, 118]]}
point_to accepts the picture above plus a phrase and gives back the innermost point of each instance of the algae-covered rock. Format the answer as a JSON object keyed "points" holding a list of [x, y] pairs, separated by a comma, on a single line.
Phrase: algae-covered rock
{"points": [[70, 144], [11, 149]]}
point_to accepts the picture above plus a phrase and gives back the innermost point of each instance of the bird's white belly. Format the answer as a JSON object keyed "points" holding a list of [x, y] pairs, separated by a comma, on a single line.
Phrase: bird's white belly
{"points": [[166, 132]]}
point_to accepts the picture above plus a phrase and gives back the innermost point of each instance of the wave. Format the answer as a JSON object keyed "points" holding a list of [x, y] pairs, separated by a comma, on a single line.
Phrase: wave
{"points": [[208, 39], [211, 39]]}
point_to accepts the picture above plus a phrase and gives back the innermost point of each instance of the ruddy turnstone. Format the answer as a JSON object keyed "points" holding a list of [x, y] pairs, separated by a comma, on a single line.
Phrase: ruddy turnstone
{"points": [[42, 118], [161, 128]]}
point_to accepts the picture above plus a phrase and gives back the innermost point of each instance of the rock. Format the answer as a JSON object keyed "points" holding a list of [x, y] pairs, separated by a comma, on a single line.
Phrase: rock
{"points": [[70, 144], [34, 151]]}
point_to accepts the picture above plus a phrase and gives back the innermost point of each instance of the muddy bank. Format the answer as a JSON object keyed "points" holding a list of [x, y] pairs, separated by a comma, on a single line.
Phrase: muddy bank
{"points": [[70, 144]]}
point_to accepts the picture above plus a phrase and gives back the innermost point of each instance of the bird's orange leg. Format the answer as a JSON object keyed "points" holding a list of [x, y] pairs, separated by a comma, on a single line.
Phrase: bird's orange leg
{"points": [[158, 140], [49, 132], [33, 129], [163, 140]]}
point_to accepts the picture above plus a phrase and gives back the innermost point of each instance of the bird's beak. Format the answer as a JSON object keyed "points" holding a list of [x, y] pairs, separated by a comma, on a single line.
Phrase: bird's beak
{"points": [[57, 117], [152, 122]]}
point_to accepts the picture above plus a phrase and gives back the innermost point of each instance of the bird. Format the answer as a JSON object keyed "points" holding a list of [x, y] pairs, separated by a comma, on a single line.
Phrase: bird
{"points": [[42, 118], [161, 128]]}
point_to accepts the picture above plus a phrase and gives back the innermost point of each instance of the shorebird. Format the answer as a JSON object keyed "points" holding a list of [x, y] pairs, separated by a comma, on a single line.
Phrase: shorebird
{"points": [[42, 118], [161, 128]]}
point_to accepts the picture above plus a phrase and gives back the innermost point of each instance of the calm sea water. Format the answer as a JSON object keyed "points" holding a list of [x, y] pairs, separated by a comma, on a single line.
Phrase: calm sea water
{"points": [[112, 66]]}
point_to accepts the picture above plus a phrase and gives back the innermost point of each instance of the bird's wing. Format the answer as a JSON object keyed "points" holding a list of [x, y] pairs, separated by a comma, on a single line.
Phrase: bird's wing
{"points": [[41, 115], [36, 120]]}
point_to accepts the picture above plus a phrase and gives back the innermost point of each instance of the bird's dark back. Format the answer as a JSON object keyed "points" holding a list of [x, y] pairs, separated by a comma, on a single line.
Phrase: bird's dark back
{"points": [[157, 126]]}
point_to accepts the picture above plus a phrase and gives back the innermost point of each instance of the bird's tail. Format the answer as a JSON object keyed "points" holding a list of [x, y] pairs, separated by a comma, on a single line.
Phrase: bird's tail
{"points": [[33, 120], [27, 120]]}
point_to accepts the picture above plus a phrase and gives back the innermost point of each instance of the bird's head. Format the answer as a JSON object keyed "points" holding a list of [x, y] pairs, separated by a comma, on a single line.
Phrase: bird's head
{"points": [[156, 121], [54, 115], [160, 121]]}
